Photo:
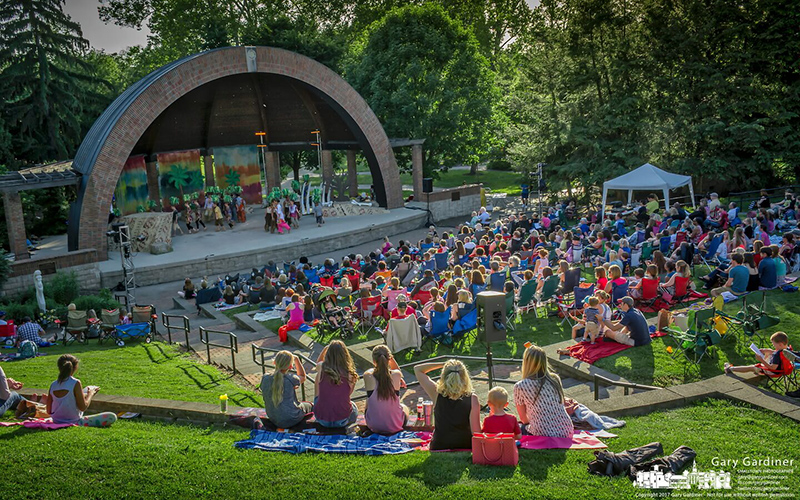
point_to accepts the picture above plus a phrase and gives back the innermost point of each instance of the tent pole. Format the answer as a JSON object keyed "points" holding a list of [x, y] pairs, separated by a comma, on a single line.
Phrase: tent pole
{"points": [[630, 196], [666, 201], [691, 193], [603, 206]]}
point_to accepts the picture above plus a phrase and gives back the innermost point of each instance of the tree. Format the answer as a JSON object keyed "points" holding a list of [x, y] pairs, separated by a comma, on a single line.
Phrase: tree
{"points": [[41, 80], [423, 75]]}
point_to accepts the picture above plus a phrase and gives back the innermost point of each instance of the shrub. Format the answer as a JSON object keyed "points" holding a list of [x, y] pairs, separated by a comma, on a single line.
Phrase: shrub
{"points": [[502, 165], [63, 288], [5, 268], [103, 300], [18, 310]]}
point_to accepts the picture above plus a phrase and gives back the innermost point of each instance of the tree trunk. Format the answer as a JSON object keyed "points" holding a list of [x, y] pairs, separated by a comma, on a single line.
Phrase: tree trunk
{"points": [[473, 169], [296, 165]]}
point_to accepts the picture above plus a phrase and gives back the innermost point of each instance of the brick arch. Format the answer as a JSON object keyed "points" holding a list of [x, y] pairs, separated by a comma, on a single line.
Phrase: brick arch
{"points": [[111, 139]]}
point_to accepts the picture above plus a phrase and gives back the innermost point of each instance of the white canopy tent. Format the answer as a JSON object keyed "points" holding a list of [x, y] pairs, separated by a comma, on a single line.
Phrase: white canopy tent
{"points": [[647, 178]]}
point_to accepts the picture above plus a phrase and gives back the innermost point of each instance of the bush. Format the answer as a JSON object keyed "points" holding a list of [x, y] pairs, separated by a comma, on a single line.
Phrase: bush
{"points": [[63, 288], [501, 165], [18, 310], [97, 302], [5, 268]]}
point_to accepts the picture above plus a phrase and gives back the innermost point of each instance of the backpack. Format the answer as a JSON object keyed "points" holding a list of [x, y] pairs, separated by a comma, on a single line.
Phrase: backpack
{"points": [[27, 349]]}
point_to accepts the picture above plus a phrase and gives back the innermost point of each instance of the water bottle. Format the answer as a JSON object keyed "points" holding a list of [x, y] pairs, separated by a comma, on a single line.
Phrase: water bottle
{"points": [[419, 409]]}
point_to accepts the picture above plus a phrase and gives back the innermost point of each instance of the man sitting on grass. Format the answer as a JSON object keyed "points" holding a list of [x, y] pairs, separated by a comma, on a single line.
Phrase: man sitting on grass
{"points": [[632, 328], [31, 330]]}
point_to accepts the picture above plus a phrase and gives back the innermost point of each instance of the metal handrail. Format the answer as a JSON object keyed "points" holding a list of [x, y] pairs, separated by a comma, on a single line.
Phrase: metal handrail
{"points": [[743, 196], [165, 321], [233, 344], [259, 351], [627, 386]]}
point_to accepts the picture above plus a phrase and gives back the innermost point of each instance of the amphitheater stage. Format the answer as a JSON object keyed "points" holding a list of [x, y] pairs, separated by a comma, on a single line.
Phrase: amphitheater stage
{"points": [[210, 253]]}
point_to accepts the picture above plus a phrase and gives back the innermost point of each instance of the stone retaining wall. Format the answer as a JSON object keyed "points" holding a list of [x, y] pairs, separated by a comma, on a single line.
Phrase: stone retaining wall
{"points": [[450, 203]]}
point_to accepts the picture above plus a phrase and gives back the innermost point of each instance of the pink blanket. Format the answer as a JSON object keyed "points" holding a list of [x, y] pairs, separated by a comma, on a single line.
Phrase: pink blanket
{"points": [[46, 424], [579, 441]]}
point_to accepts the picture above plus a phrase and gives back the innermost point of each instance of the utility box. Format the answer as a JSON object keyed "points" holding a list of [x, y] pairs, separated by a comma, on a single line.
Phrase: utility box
{"points": [[492, 317]]}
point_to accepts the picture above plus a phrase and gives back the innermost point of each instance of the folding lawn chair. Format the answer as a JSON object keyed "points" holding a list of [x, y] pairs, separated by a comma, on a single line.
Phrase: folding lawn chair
{"points": [[710, 257], [617, 292], [77, 325], [466, 326], [752, 318], [497, 281], [682, 289], [665, 244], [109, 321], [699, 340], [548, 295], [370, 314], [527, 299], [440, 328], [784, 378], [572, 278], [649, 291], [144, 314], [440, 261], [511, 310], [579, 294]]}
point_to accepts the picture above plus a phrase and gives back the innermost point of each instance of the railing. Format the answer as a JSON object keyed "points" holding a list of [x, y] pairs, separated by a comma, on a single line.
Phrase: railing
{"points": [[491, 378], [233, 344], [258, 359], [627, 386], [165, 321], [743, 197]]}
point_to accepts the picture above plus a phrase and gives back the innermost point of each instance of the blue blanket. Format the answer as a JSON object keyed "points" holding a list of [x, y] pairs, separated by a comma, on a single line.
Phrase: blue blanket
{"points": [[299, 443]]}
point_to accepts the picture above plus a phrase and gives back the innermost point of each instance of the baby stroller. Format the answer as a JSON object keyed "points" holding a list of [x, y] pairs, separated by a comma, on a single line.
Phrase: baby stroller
{"points": [[335, 319]]}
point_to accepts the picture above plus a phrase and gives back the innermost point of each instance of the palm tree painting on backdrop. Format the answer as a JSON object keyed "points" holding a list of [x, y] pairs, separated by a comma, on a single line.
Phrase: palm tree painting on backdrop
{"points": [[238, 166], [179, 173]]}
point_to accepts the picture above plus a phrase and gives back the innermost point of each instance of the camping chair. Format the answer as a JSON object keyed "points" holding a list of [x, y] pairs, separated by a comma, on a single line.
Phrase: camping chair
{"points": [[466, 326], [710, 257], [680, 237], [785, 378], [647, 252], [496, 281], [617, 292], [649, 292], [572, 278], [355, 280], [579, 294], [440, 261], [699, 340], [527, 299], [665, 244], [7, 331], [403, 333], [109, 322], [439, 327], [682, 289], [77, 325], [311, 275], [548, 295], [511, 310], [207, 296], [754, 317], [370, 314]]}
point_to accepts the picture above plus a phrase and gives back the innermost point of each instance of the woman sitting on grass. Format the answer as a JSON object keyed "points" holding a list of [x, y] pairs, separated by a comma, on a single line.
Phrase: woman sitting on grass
{"points": [[67, 400], [539, 398], [383, 412], [336, 379], [278, 389], [456, 409]]}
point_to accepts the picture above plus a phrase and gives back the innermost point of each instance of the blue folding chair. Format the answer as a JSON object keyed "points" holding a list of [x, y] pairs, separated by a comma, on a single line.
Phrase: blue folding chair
{"points": [[312, 275], [618, 292], [466, 324], [710, 257], [664, 244], [497, 281], [475, 290], [429, 265], [425, 247], [440, 327], [440, 261]]}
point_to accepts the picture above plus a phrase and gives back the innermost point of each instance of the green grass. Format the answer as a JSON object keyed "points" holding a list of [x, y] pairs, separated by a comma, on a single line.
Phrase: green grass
{"points": [[135, 459], [155, 370], [654, 365]]}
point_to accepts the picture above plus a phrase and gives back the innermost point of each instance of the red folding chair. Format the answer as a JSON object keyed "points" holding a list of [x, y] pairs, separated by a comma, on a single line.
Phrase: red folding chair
{"points": [[649, 290], [682, 289], [370, 314]]}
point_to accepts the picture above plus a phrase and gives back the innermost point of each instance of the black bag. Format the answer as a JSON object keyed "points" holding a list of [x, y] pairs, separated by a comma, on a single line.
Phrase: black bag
{"points": [[674, 463], [607, 463]]}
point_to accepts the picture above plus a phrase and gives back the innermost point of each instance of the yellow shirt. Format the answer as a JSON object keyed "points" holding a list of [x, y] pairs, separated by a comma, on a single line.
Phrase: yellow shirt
{"points": [[217, 213], [652, 206]]}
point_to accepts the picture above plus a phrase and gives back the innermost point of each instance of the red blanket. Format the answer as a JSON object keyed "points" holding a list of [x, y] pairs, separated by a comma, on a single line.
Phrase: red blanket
{"points": [[589, 353]]}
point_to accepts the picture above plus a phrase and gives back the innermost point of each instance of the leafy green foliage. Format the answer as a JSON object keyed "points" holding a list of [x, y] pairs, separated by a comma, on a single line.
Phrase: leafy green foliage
{"points": [[423, 75], [63, 288], [5, 268]]}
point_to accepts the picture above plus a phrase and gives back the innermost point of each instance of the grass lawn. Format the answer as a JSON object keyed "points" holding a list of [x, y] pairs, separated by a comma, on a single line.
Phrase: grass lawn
{"points": [[654, 365], [135, 459], [155, 370]]}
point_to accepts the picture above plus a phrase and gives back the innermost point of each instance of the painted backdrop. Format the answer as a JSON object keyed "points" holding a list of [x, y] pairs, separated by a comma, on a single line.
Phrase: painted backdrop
{"points": [[238, 166], [179, 173], [132, 186]]}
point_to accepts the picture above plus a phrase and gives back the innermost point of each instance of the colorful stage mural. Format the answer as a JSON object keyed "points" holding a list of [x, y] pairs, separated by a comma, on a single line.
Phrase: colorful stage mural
{"points": [[131, 189], [179, 173], [238, 166]]}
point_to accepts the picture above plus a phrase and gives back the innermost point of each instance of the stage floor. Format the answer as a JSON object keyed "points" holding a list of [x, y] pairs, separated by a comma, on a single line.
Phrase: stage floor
{"points": [[209, 252]]}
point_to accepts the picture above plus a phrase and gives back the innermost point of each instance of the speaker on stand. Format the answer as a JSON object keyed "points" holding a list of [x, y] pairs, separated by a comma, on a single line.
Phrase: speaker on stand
{"points": [[427, 188]]}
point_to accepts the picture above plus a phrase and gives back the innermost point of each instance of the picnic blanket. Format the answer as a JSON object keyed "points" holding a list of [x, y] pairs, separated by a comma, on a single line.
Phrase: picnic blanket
{"points": [[15, 356], [578, 441], [268, 315], [584, 351], [352, 445], [222, 306], [46, 424]]}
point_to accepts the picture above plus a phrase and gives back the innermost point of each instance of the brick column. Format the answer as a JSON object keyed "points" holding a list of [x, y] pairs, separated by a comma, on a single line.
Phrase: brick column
{"points": [[416, 170], [352, 173], [15, 223], [327, 166], [153, 189], [208, 170], [273, 170]]}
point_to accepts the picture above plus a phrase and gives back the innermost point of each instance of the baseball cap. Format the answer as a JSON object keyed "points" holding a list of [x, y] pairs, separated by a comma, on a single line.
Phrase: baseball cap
{"points": [[626, 300]]}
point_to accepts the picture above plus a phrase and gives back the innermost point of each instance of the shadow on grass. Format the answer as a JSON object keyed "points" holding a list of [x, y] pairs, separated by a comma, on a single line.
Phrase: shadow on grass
{"points": [[196, 374], [245, 400], [157, 354]]}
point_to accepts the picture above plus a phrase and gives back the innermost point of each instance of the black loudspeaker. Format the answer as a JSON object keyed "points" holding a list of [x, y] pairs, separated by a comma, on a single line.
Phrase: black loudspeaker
{"points": [[427, 185], [492, 316]]}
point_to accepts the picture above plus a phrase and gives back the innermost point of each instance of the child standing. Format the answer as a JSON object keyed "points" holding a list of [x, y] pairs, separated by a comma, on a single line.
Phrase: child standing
{"points": [[294, 215], [499, 421], [591, 314], [228, 214], [218, 218], [283, 225], [318, 214]]}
